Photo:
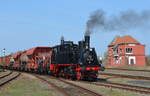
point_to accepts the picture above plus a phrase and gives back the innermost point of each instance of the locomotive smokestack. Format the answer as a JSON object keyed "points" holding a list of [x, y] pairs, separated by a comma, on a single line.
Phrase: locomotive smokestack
{"points": [[87, 41], [62, 40]]}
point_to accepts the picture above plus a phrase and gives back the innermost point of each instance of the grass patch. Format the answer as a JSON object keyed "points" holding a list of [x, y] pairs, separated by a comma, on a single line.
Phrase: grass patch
{"points": [[4, 73], [132, 67], [26, 87], [115, 92]]}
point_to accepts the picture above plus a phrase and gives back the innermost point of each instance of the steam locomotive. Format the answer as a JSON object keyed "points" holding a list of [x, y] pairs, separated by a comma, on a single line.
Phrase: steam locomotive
{"points": [[67, 60]]}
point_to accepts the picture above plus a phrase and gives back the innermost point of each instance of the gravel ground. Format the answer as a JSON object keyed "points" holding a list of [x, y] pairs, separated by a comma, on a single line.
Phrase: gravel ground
{"points": [[106, 91], [71, 90], [136, 73], [143, 83], [29, 85]]}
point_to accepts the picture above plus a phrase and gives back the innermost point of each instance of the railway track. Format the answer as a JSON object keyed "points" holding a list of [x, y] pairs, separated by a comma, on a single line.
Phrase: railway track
{"points": [[70, 90], [127, 69], [4, 75], [82, 88], [111, 85], [53, 85], [132, 88], [8, 77], [126, 76]]}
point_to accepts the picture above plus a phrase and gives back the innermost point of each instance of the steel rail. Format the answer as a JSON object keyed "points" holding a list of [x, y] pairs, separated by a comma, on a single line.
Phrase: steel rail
{"points": [[127, 69], [12, 76], [53, 85], [82, 88], [126, 76], [133, 88], [2, 76]]}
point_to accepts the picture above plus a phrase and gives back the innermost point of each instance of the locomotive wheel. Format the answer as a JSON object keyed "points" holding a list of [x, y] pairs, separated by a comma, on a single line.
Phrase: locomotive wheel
{"points": [[93, 77], [73, 74], [73, 78], [41, 71]]}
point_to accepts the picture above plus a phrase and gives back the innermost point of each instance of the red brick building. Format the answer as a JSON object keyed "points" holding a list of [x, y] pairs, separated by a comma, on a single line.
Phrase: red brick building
{"points": [[126, 51]]}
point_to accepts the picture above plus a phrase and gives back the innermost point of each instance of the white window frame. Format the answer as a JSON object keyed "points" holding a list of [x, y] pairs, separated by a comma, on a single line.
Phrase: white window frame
{"points": [[127, 52]]}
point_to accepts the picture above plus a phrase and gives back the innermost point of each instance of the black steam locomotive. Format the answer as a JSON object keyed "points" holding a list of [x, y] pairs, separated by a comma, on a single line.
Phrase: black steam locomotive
{"points": [[75, 61]]}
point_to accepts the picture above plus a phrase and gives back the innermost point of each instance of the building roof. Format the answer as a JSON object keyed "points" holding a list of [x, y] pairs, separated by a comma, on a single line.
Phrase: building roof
{"points": [[124, 40]]}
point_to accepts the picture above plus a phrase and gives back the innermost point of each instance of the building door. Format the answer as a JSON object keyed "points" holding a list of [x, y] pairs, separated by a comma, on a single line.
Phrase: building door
{"points": [[132, 60]]}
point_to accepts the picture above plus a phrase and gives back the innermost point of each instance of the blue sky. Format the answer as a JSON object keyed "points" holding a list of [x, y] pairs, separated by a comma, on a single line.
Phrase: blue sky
{"points": [[28, 23]]}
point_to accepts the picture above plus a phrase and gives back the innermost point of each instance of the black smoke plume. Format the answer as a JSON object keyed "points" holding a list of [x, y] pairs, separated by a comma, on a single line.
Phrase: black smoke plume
{"points": [[122, 22]]}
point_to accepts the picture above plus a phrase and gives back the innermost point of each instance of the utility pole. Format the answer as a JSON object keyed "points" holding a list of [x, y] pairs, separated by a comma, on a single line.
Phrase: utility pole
{"points": [[3, 58], [4, 51]]}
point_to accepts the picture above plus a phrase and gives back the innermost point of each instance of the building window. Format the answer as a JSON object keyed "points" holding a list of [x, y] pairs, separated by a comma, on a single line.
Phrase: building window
{"points": [[116, 60], [128, 50]]}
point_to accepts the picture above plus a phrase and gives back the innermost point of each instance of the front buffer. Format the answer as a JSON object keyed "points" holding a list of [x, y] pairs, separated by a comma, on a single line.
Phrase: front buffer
{"points": [[87, 73]]}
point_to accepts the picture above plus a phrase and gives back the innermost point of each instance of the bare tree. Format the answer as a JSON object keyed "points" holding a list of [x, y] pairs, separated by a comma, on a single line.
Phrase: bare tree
{"points": [[148, 60], [105, 60]]}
